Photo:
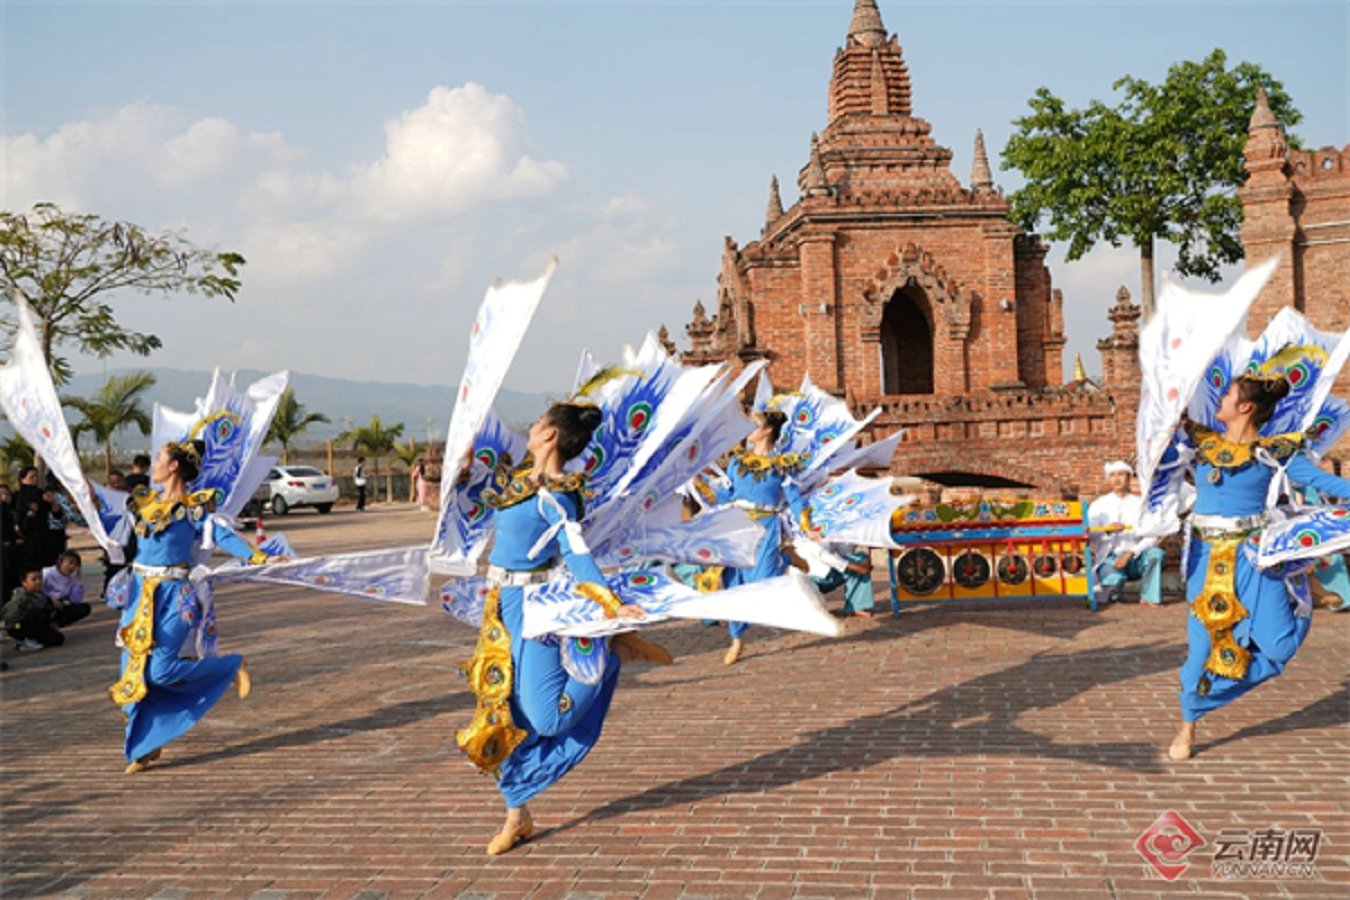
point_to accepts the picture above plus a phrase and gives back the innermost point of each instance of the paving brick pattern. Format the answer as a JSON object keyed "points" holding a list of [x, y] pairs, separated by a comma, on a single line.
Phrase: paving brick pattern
{"points": [[998, 751]]}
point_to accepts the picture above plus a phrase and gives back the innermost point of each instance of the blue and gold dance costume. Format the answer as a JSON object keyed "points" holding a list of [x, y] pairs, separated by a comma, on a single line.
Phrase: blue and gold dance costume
{"points": [[163, 695], [762, 485], [533, 721], [1242, 629]]}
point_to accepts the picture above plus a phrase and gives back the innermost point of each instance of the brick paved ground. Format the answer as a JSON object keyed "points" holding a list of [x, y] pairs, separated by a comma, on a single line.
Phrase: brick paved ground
{"points": [[994, 752]]}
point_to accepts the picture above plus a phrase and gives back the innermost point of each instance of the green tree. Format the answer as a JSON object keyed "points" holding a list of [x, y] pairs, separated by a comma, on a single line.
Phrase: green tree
{"points": [[290, 420], [377, 441], [15, 453], [68, 266], [407, 454], [1165, 163], [116, 404]]}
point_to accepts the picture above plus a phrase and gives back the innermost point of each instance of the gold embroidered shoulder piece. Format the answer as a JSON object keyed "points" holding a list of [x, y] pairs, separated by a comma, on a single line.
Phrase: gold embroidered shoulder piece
{"points": [[510, 487], [757, 465], [1216, 450], [154, 512]]}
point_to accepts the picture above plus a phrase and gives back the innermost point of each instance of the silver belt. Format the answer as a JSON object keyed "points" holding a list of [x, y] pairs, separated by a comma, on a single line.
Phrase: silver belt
{"points": [[175, 572], [1220, 526], [753, 507], [499, 577]]}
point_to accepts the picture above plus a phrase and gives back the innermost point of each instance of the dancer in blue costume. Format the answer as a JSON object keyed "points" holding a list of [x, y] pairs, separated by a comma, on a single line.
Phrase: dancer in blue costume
{"points": [[534, 721], [1243, 628], [1331, 570], [163, 695], [761, 484]]}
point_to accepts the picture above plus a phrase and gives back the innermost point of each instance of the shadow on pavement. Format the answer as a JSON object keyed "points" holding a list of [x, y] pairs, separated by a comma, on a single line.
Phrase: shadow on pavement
{"points": [[953, 721], [382, 718], [1330, 711]]}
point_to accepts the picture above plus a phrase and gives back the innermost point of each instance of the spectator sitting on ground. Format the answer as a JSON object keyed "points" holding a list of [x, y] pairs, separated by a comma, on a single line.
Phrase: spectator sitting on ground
{"points": [[64, 586], [856, 580], [28, 615], [1118, 555]]}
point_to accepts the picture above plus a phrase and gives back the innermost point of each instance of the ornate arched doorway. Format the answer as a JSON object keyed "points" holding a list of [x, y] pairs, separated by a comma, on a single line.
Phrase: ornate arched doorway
{"points": [[906, 344]]}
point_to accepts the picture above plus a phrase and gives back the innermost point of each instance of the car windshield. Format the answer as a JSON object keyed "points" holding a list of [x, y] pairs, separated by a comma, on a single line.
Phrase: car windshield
{"points": [[304, 472]]}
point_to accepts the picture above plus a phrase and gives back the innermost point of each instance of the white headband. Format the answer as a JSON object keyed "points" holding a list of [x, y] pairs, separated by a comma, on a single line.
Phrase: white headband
{"points": [[1118, 466]]}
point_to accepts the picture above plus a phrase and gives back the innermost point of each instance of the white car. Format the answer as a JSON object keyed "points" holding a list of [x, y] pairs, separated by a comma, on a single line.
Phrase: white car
{"points": [[293, 486]]}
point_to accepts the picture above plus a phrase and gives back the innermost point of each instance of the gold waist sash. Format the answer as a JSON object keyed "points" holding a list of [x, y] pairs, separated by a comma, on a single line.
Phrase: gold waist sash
{"points": [[492, 735], [138, 637], [1218, 609]]}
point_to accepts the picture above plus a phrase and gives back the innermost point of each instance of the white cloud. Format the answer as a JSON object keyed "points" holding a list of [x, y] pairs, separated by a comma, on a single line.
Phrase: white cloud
{"points": [[287, 252], [461, 148], [215, 148], [623, 242], [140, 148]]}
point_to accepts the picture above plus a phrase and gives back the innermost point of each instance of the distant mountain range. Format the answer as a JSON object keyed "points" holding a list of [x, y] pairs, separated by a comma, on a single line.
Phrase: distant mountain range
{"points": [[347, 403]]}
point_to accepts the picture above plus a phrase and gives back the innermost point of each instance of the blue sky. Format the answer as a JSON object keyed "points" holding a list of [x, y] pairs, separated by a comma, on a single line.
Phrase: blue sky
{"points": [[380, 163]]}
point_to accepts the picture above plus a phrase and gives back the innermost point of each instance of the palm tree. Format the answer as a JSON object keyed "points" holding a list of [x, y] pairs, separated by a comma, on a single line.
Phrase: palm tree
{"points": [[407, 454], [290, 420], [377, 441], [115, 405], [14, 452]]}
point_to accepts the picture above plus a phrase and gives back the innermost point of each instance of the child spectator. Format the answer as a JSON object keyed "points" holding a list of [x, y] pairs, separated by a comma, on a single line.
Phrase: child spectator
{"points": [[28, 615], [64, 586]]}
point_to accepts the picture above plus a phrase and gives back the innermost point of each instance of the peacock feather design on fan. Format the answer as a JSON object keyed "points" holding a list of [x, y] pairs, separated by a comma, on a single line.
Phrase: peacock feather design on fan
{"points": [[496, 444], [233, 426], [629, 397], [818, 425], [224, 433], [1307, 358]]}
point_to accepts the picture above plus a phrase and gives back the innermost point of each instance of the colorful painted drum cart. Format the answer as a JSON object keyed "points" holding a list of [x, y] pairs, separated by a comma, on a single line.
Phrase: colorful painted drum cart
{"points": [[990, 549]]}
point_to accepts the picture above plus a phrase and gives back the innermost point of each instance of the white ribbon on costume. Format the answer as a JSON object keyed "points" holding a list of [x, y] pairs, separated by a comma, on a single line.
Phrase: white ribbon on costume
{"points": [[1299, 593], [576, 542], [1280, 484], [1186, 551], [206, 603], [209, 532]]}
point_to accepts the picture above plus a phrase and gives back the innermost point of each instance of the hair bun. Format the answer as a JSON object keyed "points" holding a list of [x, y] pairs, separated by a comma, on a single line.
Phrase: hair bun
{"points": [[590, 417], [1279, 389]]}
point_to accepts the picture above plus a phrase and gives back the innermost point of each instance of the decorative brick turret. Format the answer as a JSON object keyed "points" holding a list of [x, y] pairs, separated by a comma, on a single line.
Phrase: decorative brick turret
{"points": [[1296, 205], [774, 212], [981, 176], [1120, 351]]}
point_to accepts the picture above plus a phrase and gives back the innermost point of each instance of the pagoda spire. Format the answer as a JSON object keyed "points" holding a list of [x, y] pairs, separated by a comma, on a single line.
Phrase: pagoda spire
{"points": [[774, 212], [870, 76], [1262, 117], [813, 180], [981, 177], [1267, 149], [866, 27], [1079, 373]]}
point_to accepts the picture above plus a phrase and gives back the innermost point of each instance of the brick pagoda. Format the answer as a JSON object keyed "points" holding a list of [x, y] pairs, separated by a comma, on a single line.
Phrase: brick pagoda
{"points": [[897, 286]]}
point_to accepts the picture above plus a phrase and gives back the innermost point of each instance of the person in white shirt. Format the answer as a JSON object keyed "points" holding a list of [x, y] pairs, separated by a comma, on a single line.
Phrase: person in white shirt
{"points": [[359, 479], [1117, 555]]}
